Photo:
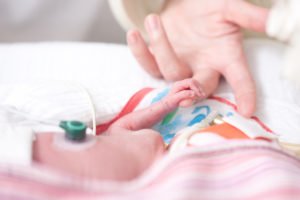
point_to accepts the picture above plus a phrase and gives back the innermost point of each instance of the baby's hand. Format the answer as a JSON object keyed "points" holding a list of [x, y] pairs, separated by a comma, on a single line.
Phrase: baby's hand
{"points": [[185, 93], [182, 93]]}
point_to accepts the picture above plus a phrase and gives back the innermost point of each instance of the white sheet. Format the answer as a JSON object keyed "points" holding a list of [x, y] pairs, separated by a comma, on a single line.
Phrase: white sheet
{"points": [[35, 80], [36, 77]]}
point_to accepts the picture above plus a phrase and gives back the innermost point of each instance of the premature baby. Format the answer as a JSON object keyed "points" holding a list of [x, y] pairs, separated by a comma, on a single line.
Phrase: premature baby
{"points": [[133, 142], [128, 148]]}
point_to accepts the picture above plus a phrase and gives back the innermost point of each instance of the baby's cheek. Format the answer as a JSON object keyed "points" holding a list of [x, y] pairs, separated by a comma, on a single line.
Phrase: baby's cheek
{"points": [[131, 154], [42, 149]]}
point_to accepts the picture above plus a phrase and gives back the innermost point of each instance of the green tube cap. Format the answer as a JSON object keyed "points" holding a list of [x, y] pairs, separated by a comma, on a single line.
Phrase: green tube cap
{"points": [[74, 130]]}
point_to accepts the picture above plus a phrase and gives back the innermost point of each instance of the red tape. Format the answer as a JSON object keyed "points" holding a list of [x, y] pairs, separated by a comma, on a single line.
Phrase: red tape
{"points": [[128, 108]]}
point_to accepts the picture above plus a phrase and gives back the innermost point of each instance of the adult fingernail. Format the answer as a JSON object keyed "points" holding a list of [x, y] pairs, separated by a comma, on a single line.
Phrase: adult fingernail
{"points": [[244, 109], [153, 23], [132, 38], [246, 104]]}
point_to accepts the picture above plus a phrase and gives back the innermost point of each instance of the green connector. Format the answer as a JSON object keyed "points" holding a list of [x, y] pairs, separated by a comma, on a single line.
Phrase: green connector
{"points": [[74, 130]]}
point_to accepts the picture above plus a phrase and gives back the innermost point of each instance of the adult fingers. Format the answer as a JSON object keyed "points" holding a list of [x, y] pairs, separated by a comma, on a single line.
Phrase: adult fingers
{"points": [[208, 78], [238, 76], [142, 54], [170, 66], [246, 15]]}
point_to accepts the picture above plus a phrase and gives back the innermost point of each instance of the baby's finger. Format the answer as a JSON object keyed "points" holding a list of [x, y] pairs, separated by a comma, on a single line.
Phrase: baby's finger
{"points": [[207, 81], [142, 54], [187, 102], [170, 66], [239, 78], [197, 88], [178, 98], [188, 84]]}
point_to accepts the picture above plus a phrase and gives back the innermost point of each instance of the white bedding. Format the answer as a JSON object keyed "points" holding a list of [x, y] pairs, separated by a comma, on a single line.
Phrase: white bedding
{"points": [[38, 81], [36, 77]]}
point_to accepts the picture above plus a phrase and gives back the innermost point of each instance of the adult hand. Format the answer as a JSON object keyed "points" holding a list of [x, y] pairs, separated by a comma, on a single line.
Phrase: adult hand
{"points": [[202, 39]]}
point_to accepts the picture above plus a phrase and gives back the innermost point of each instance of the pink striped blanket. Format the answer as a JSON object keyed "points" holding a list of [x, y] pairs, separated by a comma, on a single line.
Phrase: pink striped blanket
{"points": [[233, 170]]}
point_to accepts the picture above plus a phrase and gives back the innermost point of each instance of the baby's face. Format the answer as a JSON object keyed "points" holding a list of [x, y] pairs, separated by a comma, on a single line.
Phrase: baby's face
{"points": [[119, 156]]}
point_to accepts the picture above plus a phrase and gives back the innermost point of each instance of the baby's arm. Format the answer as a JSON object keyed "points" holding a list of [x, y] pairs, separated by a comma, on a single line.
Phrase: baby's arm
{"points": [[181, 91], [122, 155]]}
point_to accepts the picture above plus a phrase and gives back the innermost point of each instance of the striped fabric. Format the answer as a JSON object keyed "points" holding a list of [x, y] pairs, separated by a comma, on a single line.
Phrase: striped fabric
{"points": [[232, 170]]}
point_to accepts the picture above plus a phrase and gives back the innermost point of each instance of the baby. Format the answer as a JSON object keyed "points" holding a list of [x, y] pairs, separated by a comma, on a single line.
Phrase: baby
{"points": [[128, 148], [134, 141]]}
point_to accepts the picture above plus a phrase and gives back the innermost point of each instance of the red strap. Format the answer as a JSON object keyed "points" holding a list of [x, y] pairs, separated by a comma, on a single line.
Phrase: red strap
{"points": [[128, 108], [220, 99], [225, 101]]}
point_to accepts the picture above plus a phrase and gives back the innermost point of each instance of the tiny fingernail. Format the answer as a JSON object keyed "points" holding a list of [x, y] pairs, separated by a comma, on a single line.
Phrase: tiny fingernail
{"points": [[202, 92], [194, 101], [192, 94], [199, 94]]}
